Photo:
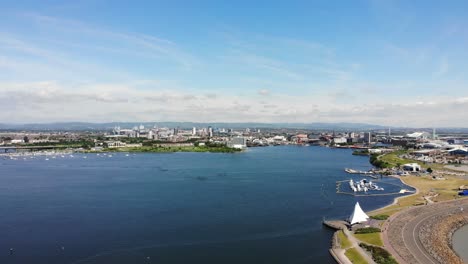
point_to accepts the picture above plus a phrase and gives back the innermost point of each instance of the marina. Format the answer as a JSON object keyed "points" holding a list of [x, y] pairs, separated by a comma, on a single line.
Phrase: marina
{"points": [[47, 155], [363, 186], [385, 186]]}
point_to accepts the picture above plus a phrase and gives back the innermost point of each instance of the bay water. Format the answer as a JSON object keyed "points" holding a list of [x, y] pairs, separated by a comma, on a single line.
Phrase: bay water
{"points": [[264, 205]]}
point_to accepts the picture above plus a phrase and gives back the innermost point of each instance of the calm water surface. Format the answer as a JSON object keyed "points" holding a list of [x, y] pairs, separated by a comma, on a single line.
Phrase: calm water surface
{"points": [[261, 206], [460, 242]]}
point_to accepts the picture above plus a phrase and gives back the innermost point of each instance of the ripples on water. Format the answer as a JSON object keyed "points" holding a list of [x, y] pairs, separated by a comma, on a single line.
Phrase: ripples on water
{"points": [[261, 206]]}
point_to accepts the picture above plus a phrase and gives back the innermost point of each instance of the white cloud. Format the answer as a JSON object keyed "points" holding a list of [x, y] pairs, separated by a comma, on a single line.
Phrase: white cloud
{"points": [[86, 79], [264, 92], [51, 101]]}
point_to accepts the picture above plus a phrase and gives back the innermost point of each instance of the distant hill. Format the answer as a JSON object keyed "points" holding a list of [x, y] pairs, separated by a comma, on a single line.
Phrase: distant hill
{"points": [[83, 126]]}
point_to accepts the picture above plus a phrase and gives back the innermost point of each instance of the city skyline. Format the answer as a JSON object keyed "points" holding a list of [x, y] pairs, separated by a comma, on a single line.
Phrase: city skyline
{"points": [[389, 63]]}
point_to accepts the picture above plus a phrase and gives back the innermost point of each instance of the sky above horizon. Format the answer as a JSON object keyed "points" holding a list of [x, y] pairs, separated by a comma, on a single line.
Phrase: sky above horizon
{"points": [[396, 63]]}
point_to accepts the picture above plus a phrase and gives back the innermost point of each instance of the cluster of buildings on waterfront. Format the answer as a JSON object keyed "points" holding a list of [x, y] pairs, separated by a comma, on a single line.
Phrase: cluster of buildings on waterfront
{"points": [[176, 136], [428, 147]]}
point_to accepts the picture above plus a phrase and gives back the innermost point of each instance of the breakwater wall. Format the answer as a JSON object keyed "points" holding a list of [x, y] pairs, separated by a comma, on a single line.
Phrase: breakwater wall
{"points": [[436, 236]]}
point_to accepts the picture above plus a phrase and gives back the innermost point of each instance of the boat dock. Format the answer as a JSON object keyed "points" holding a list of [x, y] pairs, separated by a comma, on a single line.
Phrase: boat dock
{"points": [[335, 224], [366, 173]]}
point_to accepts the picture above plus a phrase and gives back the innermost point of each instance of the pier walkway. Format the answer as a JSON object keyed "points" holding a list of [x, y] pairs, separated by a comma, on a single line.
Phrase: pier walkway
{"points": [[339, 253]]}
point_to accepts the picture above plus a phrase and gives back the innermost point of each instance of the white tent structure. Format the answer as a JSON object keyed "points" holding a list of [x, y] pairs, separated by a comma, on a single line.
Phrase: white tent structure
{"points": [[358, 215]]}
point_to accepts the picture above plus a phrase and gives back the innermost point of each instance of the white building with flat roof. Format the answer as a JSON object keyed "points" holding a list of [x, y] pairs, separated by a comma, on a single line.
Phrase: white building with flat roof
{"points": [[339, 140], [237, 142], [419, 135], [412, 167]]}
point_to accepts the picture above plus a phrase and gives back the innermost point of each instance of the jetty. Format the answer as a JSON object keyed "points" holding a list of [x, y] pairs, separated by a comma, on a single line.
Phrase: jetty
{"points": [[338, 248], [366, 173], [335, 224]]}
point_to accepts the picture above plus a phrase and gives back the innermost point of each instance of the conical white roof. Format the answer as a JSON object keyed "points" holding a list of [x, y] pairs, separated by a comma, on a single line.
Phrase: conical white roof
{"points": [[358, 215]]}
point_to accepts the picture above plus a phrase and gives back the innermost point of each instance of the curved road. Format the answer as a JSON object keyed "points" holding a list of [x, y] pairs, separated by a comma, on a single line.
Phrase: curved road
{"points": [[410, 231]]}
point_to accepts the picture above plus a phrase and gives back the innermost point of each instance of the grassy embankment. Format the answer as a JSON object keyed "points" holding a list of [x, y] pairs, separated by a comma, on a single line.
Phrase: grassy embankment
{"points": [[379, 255], [446, 189], [371, 238], [364, 152], [344, 241], [61, 144], [351, 253], [354, 256], [369, 235]]}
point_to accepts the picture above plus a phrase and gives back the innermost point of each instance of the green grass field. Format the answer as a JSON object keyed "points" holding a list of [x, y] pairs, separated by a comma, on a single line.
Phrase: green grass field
{"points": [[394, 160], [344, 241], [354, 256], [446, 189], [371, 238]]}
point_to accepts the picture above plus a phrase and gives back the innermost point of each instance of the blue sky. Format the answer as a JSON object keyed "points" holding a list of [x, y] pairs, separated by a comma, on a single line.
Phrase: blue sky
{"points": [[384, 62]]}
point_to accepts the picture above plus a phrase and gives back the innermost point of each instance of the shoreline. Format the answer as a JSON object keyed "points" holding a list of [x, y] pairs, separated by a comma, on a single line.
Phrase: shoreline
{"points": [[453, 231], [429, 229], [124, 150], [396, 199], [395, 212], [339, 257]]}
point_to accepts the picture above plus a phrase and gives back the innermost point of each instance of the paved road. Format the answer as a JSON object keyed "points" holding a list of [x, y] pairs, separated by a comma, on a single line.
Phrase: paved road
{"points": [[411, 229], [411, 239]]}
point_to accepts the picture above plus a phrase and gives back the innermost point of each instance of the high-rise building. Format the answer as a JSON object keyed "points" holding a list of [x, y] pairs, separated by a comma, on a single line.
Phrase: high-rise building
{"points": [[194, 131], [367, 137], [210, 131], [150, 134]]}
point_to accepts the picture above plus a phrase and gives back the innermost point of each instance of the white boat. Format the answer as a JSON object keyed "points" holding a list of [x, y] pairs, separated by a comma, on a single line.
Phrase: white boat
{"points": [[363, 186]]}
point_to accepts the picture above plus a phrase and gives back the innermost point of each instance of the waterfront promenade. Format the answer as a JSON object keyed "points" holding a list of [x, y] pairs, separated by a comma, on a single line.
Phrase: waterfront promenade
{"points": [[337, 251], [419, 234]]}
